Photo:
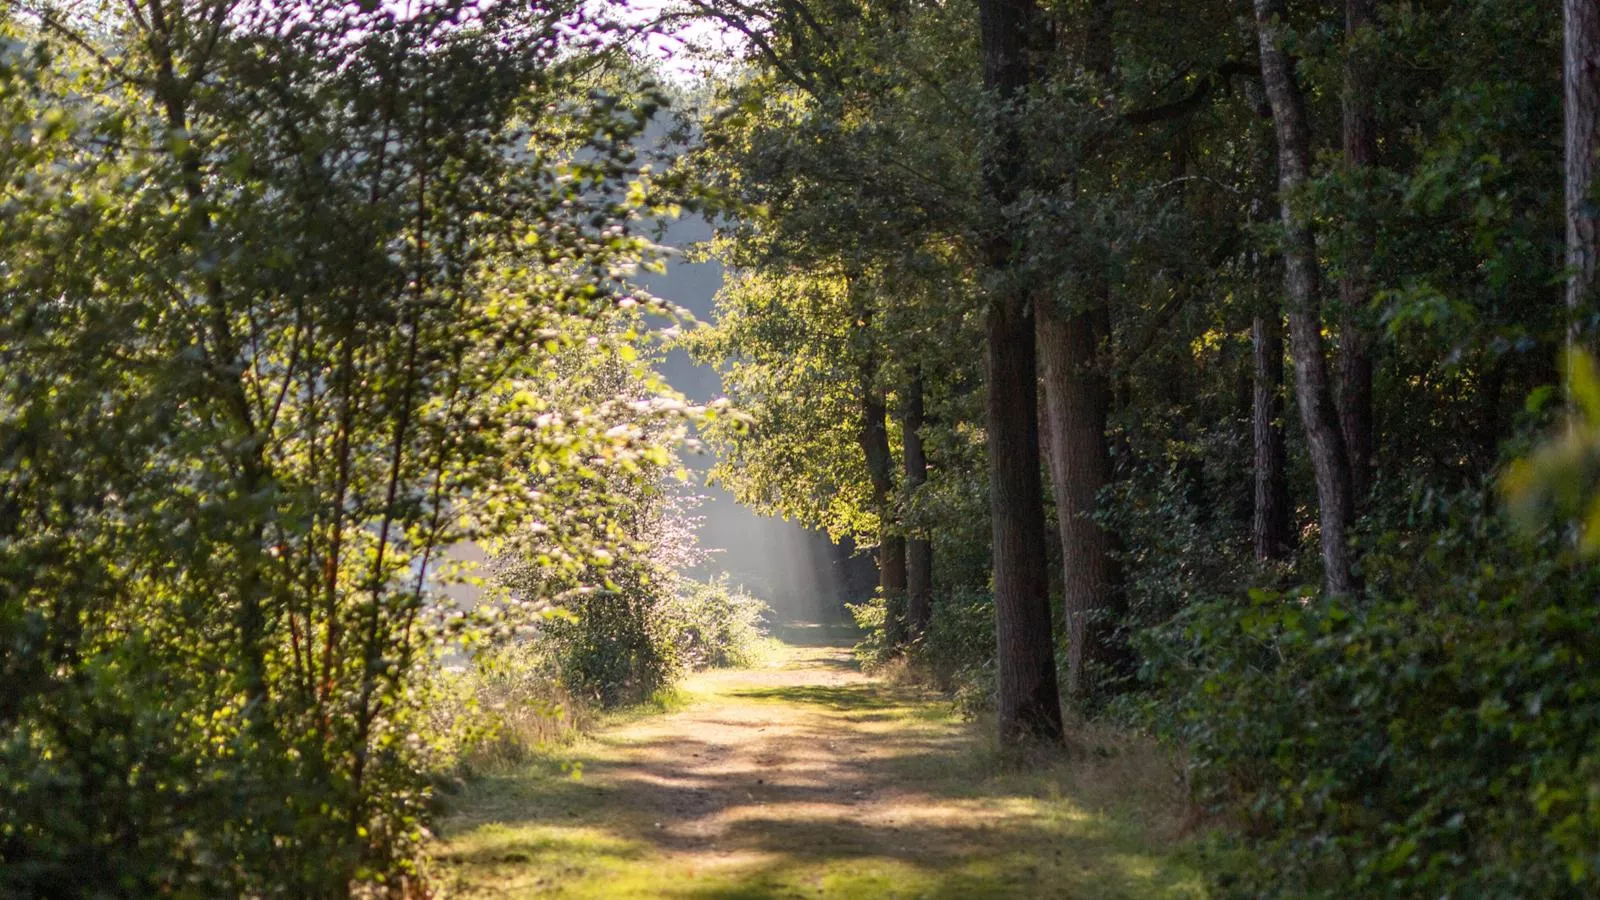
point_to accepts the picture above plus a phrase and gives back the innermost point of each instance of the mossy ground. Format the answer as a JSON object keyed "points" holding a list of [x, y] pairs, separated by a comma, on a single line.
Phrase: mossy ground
{"points": [[806, 778]]}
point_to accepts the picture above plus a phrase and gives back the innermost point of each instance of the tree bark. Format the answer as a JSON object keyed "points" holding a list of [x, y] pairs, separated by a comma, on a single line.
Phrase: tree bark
{"points": [[1581, 81], [1077, 403], [1330, 460], [1270, 530], [1028, 701], [1355, 286], [919, 550], [880, 468]]}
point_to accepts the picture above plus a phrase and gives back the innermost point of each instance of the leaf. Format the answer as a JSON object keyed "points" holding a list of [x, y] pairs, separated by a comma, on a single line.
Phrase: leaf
{"points": [[1539, 398], [1584, 382]]}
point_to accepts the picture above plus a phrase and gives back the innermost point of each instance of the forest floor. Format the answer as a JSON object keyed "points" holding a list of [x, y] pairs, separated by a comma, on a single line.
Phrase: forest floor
{"points": [[803, 778]]}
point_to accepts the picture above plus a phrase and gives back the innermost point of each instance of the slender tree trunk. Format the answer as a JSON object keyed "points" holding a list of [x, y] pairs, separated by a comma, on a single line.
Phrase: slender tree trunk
{"points": [[1324, 439], [1355, 287], [919, 550], [1077, 403], [1028, 701], [1270, 530], [880, 467], [892, 582], [1491, 391], [1581, 78]]}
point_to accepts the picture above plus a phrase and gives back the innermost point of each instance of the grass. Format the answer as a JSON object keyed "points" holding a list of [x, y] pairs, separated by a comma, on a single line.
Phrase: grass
{"points": [[804, 778]]}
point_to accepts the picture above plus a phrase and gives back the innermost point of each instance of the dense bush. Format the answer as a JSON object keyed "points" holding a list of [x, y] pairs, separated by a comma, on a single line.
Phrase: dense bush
{"points": [[959, 646], [1441, 738], [498, 709], [513, 700], [956, 653], [717, 625], [616, 645], [623, 644]]}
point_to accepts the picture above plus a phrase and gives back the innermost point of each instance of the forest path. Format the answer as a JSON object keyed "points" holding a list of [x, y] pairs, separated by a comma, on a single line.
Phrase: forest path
{"points": [[806, 778]]}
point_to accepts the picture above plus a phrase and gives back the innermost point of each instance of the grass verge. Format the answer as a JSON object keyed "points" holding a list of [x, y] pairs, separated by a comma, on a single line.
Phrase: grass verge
{"points": [[804, 778]]}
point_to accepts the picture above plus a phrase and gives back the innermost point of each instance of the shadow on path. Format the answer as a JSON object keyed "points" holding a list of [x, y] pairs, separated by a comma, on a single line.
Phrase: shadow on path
{"points": [[807, 778]]}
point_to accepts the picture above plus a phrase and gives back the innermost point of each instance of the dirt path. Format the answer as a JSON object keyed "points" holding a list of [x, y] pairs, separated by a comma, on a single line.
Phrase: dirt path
{"points": [[806, 778]]}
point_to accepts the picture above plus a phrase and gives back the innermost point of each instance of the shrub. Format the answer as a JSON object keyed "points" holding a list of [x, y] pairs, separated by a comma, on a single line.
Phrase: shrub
{"points": [[500, 708], [617, 646], [870, 615], [957, 652], [1441, 738], [717, 625], [623, 645]]}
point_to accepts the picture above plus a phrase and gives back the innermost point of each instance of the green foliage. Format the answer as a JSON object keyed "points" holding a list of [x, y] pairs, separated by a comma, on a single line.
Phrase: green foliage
{"points": [[956, 653], [1438, 739], [287, 287], [498, 710], [959, 648], [871, 616], [617, 645], [785, 343], [718, 625], [628, 642], [1560, 477], [852, 171]]}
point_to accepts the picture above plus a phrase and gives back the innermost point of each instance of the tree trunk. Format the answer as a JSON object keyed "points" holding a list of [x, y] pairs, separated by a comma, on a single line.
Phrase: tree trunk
{"points": [[1355, 287], [1324, 438], [892, 584], [1270, 529], [919, 550], [1077, 402], [1491, 390], [1581, 78], [880, 468], [1028, 702]]}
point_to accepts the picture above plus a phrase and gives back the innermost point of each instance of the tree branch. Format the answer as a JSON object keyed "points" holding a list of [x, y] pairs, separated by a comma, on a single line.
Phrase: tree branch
{"points": [[1197, 98]]}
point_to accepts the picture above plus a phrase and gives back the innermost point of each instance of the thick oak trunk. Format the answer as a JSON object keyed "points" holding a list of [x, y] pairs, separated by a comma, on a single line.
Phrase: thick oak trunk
{"points": [[1324, 438], [919, 550], [1270, 529], [1028, 703], [1581, 78], [1355, 287], [1077, 403]]}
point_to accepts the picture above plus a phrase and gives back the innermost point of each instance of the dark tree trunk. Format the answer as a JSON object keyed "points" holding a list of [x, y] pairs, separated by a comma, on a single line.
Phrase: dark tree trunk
{"points": [[1355, 287], [880, 467], [892, 583], [1581, 78], [1270, 529], [919, 550], [1028, 702], [1491, 390], [1324, 438], [1077, 403]]}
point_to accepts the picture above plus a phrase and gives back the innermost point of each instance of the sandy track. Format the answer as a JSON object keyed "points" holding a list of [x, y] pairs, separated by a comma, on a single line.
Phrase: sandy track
{"points": [[806, 778]]}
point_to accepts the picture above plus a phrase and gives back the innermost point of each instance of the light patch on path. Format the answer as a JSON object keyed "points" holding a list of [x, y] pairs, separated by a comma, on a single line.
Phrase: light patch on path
{"points": [[806, 778]]}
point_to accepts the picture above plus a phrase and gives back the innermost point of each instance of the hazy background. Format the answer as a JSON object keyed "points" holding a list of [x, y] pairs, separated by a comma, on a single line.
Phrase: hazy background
{"points": [[801, 573]]}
